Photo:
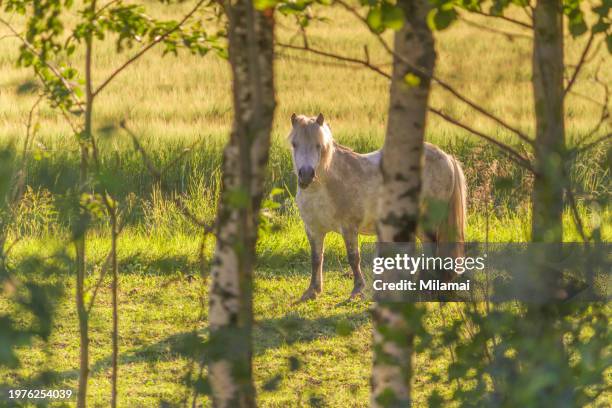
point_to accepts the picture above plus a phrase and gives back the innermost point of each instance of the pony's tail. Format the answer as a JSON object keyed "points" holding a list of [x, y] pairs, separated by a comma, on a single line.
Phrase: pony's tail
{"points": [[452, 232]]}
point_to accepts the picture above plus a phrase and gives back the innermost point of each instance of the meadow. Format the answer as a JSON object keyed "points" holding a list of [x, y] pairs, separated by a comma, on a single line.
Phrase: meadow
{"points": [[174, 102]]}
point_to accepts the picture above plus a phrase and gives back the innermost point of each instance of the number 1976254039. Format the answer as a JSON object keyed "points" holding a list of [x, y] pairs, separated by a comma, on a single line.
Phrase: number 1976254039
{"points": [[39, 394]]}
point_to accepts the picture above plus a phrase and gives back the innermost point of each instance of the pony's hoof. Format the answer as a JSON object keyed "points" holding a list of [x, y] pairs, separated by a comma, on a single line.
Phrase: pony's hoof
{"points": [[310, 294]]}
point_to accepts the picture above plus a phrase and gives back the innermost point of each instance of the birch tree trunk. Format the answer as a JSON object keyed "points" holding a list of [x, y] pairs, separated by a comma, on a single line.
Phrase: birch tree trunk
{"points": [[244, 165], [81, 236], [547, 350], [402, 160], [550, 132]]}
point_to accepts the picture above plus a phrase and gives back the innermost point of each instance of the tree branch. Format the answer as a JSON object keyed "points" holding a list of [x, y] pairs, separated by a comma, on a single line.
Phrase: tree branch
{"points": [[18, 183], [509, 36], [147, 48], [339, 64], [584, 148], [512, 154], [74, 128], [576, 215], [337, 57], [505, 18], [605, 114], [180, 157], [105, 267], [53, 69], [145, 157], [580, 64], [103, 271], [208, 227], [437, 80]]}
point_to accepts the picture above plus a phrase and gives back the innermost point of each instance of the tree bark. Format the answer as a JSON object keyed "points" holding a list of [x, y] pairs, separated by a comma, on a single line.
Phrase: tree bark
{"points": [[548, 66], [547, 352], [402, 161], [81, 236], [244, 164], [112, 209]]}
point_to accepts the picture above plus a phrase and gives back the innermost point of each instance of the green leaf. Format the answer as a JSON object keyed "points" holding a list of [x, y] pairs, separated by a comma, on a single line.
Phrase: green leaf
{"points": [[497, 9], [265, 4], [577, 26], [28, 86], [374, 20], [602, 10], [600, 27], [392, 16], [439, 19], [412, 80]]}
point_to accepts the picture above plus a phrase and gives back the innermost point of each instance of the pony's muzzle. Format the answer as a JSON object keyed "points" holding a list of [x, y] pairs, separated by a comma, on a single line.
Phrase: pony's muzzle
{"points": [[305, 176]]}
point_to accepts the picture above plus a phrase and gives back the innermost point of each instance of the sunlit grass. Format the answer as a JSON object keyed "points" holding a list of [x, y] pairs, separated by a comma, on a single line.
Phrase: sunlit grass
{"points": [[160, 303], [172, 102]]}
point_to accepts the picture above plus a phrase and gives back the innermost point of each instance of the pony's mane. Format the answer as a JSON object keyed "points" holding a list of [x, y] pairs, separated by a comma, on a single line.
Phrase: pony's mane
{"points": [[308, 125]]}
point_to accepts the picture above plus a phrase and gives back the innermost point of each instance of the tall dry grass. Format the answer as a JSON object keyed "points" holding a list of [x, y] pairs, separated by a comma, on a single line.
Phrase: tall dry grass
{"points": [[173, 102]]}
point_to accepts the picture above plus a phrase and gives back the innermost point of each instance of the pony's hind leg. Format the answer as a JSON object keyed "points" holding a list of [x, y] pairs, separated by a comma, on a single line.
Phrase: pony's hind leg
{"points": [[316, 255], [351, 241]]}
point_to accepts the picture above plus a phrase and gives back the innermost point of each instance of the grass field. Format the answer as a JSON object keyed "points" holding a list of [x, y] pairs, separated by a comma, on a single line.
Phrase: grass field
{"points": [[174, 102]]}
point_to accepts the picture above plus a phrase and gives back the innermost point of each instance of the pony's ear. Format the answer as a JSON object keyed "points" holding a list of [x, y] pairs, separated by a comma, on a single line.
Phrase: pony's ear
{"points": [[320, 119], [293, 119]]}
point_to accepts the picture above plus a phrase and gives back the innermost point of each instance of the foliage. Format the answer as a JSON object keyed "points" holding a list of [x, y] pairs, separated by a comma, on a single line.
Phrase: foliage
{"points": [[49, 54], [444, 12], [502, 359], [384, 15], [45, 50], [32, 302], [158, 261]]}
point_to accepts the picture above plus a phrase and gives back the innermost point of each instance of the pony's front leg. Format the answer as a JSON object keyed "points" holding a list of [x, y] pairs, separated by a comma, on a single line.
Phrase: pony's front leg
{"points": [[351, 241], [316, 255]]}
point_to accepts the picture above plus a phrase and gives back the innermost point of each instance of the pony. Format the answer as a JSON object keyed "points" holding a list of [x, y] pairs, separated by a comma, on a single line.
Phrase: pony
{"points": [[338, 189]]}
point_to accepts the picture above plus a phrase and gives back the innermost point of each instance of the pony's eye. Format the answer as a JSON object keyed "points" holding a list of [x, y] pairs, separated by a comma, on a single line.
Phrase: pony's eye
{"points": [[318, 146], [294, 144]]}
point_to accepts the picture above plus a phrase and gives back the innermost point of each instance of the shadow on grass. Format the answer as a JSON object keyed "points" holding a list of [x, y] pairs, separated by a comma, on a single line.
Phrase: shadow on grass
{"points": [[163, 264], [268, 334], [298, 260], [268, 264], [158, 264], [292, 328]]}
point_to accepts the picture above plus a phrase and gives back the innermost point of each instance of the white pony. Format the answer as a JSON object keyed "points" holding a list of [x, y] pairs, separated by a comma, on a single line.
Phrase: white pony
{"points": [[337, 191]]}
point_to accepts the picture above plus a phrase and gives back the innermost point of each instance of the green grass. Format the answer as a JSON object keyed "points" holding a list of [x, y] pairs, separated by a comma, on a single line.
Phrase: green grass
{"points": [[172, 103], [160, 295], [160, 306]]}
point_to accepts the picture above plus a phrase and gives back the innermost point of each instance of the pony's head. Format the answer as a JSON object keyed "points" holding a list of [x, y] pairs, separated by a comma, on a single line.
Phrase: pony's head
{"points": [[312, 146]]}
